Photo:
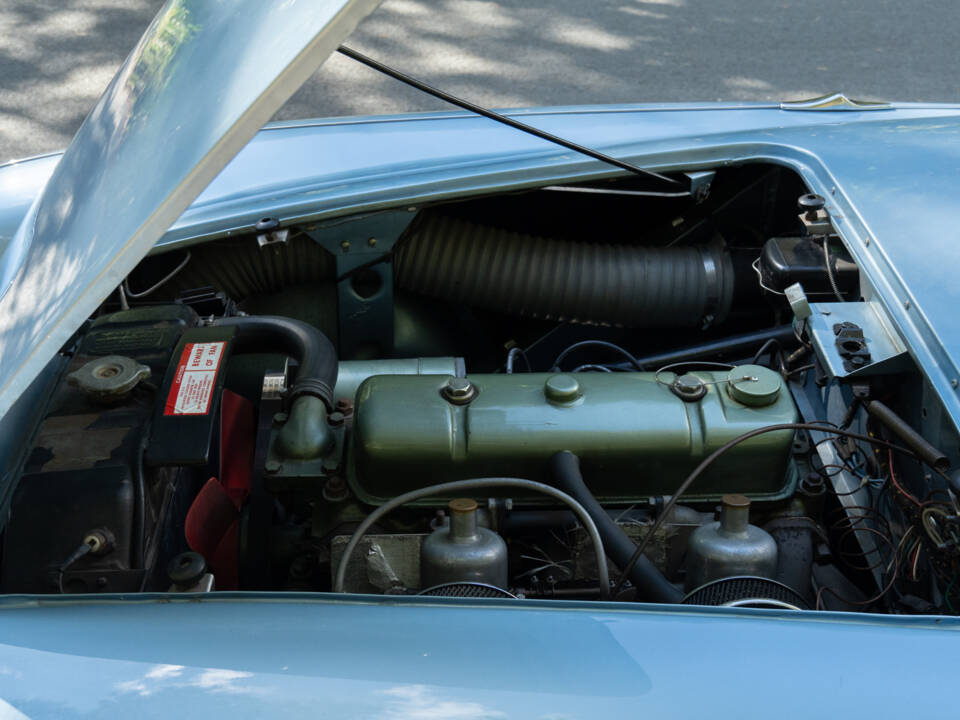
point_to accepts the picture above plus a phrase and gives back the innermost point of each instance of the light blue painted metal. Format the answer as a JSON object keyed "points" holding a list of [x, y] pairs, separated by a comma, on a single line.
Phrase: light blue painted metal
{"points": [[890, 179], [198, 85], [20, 183], [302, 656]]}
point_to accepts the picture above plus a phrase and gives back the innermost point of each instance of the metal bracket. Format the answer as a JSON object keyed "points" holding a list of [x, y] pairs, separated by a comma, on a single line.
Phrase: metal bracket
{"points": [[855, 339], [851, 346], [700, 183], [269, 232], [817, 225], [363, 249]]}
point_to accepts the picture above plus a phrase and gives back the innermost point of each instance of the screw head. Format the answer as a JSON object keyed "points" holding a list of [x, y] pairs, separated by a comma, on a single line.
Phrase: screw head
{"points": [[345, 245], [267, 224], [372, 242]]}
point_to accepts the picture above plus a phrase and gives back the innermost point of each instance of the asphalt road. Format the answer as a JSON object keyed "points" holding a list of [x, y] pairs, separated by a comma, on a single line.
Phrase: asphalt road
{"points": [[56, 56]]}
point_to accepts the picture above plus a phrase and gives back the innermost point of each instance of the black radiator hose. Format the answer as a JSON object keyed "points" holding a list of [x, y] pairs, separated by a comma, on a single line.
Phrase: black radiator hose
{"points": [[932, 456], [627, 285], [651, 585], [315, 354]]}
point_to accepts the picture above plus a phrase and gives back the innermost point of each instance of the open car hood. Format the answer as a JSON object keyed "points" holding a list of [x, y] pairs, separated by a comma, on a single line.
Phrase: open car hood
{"points": [[203, 79]]}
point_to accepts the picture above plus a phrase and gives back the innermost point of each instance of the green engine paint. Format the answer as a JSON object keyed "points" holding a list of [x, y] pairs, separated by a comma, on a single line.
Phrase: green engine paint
{"points": [[635, 437]]}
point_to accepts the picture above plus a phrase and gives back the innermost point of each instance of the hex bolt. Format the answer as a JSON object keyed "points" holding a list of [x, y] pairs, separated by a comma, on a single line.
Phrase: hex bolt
{"points": [[335, 419], [280, 418], [335, 489], [345, 406], [272, 466], [458, 391]]}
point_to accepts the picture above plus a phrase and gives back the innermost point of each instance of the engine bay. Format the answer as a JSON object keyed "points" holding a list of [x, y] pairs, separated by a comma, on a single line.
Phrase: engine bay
{"points": [[574, 392]]}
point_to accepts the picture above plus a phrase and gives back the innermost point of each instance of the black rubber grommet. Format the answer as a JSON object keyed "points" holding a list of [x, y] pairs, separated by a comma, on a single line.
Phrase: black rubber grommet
{"points": [[186, 568]]}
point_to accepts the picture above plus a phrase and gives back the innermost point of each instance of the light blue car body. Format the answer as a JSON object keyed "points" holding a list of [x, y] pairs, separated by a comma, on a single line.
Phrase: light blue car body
{"points": [[891, 178], [293, 656], [892, 182]]}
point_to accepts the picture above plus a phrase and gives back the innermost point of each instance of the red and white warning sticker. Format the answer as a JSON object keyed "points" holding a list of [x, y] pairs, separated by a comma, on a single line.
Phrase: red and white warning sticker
{"points": [[192, 387]]}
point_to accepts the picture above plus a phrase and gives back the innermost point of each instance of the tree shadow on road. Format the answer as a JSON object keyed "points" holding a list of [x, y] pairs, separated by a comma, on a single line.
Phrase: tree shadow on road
{"points": [[56, 56]]}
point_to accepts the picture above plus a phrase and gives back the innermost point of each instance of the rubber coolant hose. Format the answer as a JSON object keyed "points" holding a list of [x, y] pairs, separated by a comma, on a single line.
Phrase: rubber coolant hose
{"points": [[314, 353], [627, 285], [651, 585], [457, 486], [934, 457]]}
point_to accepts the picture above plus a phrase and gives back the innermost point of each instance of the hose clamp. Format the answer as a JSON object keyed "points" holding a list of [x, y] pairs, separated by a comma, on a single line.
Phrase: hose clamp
{"points": [[711, 276], [317, 388]]}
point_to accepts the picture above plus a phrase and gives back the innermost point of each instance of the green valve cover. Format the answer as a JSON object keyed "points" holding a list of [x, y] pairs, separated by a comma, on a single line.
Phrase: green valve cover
{"points": [[636, 434]]}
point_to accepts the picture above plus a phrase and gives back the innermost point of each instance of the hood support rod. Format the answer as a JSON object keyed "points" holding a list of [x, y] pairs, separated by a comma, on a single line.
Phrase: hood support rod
{"points": [[680, 187]]}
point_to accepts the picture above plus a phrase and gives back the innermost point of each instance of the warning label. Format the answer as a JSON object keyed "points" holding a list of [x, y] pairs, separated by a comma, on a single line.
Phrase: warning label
{"points": [[192, 387]]}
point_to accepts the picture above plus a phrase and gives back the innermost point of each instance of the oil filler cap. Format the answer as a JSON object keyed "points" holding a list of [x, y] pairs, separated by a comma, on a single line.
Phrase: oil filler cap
{"points": [[754, 385]]}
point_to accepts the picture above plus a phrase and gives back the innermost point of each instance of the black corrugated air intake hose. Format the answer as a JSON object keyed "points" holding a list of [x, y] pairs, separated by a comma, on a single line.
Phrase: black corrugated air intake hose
{"points": [[651, 585], [314, 353], [626, 285]]}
